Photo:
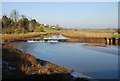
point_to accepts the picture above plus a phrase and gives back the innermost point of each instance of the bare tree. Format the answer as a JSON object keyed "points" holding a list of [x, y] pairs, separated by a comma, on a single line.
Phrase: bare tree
{"points": [[14, 15], [23, 16]]}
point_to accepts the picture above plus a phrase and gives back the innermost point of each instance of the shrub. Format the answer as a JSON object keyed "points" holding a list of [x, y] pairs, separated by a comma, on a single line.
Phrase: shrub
{"points": [[41, 29], [19, 30], [8, 30]]}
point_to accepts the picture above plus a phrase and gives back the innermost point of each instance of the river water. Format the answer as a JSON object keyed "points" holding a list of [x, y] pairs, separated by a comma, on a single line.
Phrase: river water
{"points": [[93, 61]]}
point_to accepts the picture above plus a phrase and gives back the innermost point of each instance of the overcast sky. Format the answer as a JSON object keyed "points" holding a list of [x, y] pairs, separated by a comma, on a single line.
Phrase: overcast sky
{"points": [[93, 15]]}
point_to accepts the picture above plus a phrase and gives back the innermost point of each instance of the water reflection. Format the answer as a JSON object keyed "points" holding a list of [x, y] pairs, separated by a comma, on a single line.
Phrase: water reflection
{"points": [[109, 49]]}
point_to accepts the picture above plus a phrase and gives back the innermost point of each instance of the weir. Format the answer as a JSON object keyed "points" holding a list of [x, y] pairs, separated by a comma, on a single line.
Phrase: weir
{"points": [[45, 40]]}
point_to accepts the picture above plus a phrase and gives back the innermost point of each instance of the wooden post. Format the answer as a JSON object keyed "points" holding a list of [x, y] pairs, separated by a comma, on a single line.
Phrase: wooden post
{"points": [[119, 41], [113, 41], [110, 41]]}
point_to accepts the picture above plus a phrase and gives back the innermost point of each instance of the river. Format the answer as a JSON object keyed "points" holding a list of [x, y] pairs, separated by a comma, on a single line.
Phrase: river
{"points": [[96, 62]]}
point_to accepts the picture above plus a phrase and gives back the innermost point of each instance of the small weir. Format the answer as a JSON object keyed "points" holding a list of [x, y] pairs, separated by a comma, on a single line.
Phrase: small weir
{"points": [[44, 40], [58, 38]]}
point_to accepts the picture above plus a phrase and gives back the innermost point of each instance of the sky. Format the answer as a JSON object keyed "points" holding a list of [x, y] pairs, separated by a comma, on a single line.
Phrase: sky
{"points": [[81, 15], [60, 0]]}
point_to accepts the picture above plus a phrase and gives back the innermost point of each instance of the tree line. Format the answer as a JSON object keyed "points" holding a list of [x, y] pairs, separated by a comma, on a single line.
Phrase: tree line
{"points": [[15, 24]]}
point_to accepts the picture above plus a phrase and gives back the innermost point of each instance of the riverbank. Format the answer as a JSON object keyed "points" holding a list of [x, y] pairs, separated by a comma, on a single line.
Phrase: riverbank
{"points": [[96, 44], [93, 36], [89, 33], [25, 66], [15, 37]]}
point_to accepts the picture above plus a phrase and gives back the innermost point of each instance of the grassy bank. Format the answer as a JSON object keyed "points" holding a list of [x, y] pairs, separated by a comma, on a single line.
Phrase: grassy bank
{"points": [[90, 33], [90, 36], [14, 37]]}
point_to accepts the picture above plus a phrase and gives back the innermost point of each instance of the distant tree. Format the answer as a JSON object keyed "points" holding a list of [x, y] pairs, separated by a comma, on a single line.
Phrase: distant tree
{"points": [[23, 16], [37, 26], [7, 22], [19, 24], [41, 29], [23, 23], [14, 15], [4, 21], [8, 30], [32, 25], [19, 30], [7, 25]]}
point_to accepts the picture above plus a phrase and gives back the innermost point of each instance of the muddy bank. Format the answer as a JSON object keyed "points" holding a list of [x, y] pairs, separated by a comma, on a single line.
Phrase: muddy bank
{"points": [[86, 40], [20, 65], [96, 44]]}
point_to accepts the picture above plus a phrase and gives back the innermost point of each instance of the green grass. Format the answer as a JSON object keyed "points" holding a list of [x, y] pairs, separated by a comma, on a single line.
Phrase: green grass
{"points": [[36, 33], [47, 30]]}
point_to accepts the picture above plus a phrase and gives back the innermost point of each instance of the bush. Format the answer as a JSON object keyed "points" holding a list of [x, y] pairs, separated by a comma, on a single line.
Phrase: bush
{"points": [[41, 29], [20, 30], [8, 30]]}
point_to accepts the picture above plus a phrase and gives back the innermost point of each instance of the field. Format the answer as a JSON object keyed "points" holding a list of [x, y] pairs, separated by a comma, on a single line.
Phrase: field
{"points": [[90, 33], [50, 30]]}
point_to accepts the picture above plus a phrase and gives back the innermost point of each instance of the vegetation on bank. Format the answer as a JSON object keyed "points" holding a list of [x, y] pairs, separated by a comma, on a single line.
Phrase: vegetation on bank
{"points": [[35, 35], [91, 33], [25, 66], [20, 24], [23, 25], [19, 27]]}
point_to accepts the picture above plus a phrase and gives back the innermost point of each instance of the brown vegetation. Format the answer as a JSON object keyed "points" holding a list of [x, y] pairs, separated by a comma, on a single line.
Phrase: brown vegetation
{"points": [[86, 40], [20, 65], [14, 37], [73, 34]]}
